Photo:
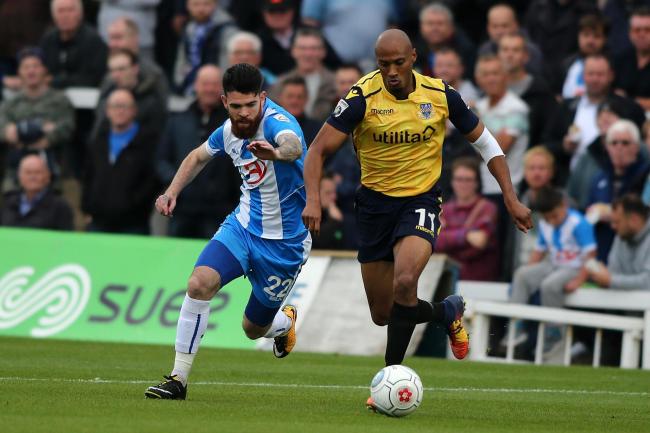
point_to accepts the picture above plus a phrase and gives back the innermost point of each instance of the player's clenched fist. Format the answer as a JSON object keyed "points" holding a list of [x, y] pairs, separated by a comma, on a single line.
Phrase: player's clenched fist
{"points": [[165, 205], [311, 217]]}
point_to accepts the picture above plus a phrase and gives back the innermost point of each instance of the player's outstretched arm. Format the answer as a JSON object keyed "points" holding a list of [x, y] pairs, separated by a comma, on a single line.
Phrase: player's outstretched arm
{"points": [[189, 168], [289, 148], [328, 141], [485, 143]]}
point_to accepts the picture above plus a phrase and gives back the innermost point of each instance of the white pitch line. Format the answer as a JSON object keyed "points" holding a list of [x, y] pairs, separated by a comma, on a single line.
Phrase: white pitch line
{"points": [[98, 380]]}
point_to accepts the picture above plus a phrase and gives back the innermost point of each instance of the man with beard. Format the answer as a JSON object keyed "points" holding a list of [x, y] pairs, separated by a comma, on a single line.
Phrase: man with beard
{"points": [[628, 267], [263, 239]]}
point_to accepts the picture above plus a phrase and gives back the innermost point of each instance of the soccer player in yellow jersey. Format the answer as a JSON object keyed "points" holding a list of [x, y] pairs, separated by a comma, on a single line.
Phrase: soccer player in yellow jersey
{"points": [[397, 120]]}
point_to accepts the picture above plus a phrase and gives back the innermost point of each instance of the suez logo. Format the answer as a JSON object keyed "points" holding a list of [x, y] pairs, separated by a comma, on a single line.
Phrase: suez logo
{"points": [[164, 307], [404, 136], [60, 296]]}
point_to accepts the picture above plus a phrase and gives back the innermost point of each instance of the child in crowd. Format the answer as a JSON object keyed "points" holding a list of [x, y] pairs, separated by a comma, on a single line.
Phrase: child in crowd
{"points": [[557, 264]]}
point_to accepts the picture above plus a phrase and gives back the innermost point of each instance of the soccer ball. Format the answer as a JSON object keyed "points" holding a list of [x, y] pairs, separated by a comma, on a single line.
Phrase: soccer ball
{"points": [[396, 390]]}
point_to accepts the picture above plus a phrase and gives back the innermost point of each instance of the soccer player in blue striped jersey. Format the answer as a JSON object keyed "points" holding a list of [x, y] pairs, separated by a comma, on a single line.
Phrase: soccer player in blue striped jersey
{"points": [[263, 238]]}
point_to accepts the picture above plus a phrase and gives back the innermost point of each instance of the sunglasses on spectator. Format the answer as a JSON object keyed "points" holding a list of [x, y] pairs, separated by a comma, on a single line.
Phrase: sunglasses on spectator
{"points": [[120, 68], [617, 142], [120, 106]]}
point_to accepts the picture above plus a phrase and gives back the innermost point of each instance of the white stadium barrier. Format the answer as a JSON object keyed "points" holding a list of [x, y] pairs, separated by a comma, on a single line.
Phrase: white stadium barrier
{"points": [[486, 299], [338, 319], [85, 98]]}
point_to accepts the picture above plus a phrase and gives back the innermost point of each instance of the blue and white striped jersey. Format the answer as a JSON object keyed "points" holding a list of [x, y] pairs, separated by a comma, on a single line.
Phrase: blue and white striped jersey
{"points": [[569, 243], [273, 192]]}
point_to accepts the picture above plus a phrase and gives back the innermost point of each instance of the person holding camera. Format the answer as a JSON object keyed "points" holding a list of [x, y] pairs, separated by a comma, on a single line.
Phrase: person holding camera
{"points": [[38, 120]]}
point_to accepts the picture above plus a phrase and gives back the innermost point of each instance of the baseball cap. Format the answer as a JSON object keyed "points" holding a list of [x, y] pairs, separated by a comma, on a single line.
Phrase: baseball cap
{"points": [[30, 52], [277, 5], [615, 106]]}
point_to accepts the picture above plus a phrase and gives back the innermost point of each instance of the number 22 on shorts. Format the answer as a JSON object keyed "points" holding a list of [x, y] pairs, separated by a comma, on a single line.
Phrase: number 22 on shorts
{"points": [[277, 282]]}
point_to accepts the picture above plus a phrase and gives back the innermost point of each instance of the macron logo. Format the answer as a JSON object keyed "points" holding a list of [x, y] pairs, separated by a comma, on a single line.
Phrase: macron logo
{"points": [[382, 111]]}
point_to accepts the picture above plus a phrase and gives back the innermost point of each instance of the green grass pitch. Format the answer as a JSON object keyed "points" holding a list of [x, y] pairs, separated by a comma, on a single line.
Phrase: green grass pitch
{"points": [[62, 386]]}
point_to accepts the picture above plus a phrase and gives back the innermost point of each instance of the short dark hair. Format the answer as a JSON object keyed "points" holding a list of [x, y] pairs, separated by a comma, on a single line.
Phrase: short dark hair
{"points": [[131, 25], [487, 57], [641, 11], [242, 78], [28, 52], [599, 56], [594, 22], [309, 32], [521, 35], [548, 199], [351, 66], [632, 203], [133, 57], [451, 50], [293, 79], [615, 105], [471, 163]]}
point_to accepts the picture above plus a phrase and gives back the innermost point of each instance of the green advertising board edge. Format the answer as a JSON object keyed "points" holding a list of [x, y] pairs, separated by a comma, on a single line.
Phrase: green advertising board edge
{"points": [[102, 287]]}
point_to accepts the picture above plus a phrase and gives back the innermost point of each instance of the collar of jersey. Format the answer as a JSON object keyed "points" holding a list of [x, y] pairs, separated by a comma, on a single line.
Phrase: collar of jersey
{"points": [[409, 98]]}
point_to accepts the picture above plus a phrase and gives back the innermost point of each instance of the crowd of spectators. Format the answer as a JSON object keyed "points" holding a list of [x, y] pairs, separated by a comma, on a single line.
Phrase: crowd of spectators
{"points": [[562, 84]]}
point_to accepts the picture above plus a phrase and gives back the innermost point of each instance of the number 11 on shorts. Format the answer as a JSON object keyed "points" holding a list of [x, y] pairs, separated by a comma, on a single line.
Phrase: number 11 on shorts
{"points": [[423, 216]]}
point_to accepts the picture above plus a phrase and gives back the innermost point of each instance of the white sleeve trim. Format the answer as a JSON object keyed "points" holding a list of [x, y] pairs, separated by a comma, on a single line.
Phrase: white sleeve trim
{"points": [[209, 148], [487, 146], [588, 248], [285, 131]]}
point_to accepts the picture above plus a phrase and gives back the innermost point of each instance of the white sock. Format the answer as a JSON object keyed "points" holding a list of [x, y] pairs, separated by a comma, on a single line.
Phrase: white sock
{"points": [[192, 323], [183, 365], [281, 325]]}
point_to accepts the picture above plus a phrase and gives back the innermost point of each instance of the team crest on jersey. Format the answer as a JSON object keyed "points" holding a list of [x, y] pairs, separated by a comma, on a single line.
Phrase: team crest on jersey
{"points": [[254, 172], [425, 111], [340, 108]]}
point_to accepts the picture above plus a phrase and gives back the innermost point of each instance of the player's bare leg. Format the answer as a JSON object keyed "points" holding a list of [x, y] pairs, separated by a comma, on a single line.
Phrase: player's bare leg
{"points": [[378, 283], [252, 330], [411, 256], [385, 283], [282, 330], [203, 284]]}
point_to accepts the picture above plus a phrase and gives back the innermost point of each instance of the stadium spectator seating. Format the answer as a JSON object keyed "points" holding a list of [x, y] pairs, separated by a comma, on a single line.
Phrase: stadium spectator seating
{"points": [[440, 30], [486, 299]]}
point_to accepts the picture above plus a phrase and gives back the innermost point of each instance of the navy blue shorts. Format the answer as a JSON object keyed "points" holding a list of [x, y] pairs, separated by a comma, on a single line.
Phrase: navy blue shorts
{"points": [[382, 220]]}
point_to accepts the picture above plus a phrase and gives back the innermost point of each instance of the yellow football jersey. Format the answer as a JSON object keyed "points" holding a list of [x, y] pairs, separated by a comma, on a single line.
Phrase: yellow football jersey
{"points": [[399, 142]]}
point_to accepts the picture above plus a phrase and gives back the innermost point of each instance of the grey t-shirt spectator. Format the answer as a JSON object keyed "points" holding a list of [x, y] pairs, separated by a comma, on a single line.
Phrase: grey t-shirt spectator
{"points": [[629, 262]]}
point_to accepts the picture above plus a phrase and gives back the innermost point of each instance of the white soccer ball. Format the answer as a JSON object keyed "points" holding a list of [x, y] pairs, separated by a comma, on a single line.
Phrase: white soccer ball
{"points": [[396, 390]]}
